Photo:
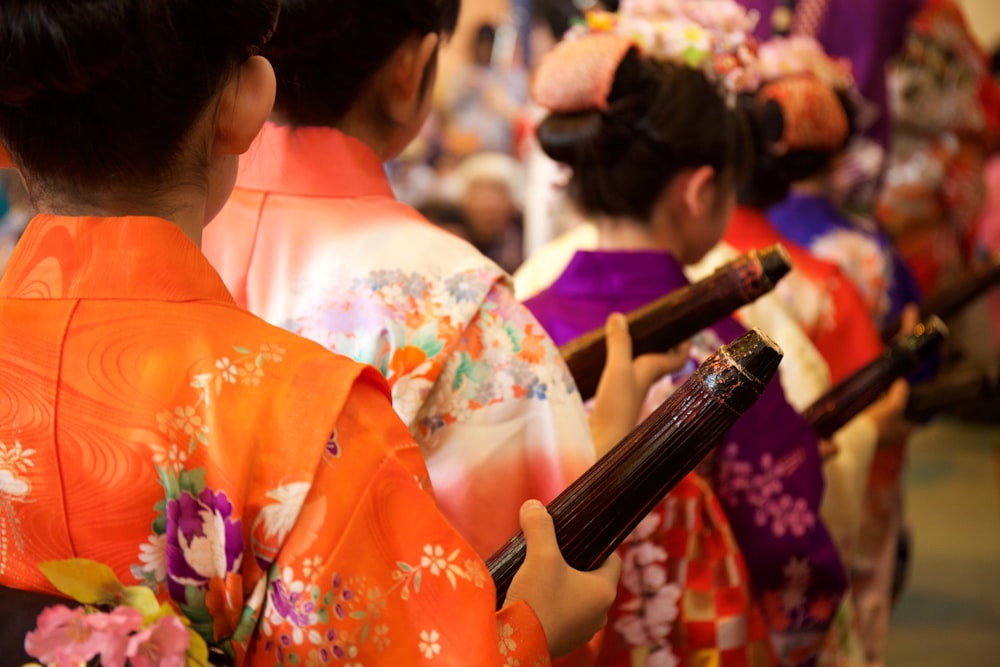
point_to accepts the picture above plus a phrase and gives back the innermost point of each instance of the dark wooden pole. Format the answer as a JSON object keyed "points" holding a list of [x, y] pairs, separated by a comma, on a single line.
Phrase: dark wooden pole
{"points": [[666, 322], [599, 510]]}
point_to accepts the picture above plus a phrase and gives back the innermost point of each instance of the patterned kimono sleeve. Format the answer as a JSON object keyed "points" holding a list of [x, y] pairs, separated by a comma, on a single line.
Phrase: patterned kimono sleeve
{"points": [[503, 423], [803, 373], [371, 573]]}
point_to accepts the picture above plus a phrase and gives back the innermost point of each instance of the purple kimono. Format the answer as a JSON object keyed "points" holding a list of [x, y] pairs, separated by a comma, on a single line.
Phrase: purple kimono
{"points": [[768, 474], [864, 253]]}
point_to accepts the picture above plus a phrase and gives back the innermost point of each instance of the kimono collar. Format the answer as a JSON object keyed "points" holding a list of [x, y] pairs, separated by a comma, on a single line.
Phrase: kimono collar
{"points": [[601, 273], [750, 228], [140, 258], [312, 162]]}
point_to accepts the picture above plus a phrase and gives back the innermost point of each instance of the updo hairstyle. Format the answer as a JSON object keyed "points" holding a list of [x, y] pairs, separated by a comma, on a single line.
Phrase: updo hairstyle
{"points": [[776, 168], [661, 118]]}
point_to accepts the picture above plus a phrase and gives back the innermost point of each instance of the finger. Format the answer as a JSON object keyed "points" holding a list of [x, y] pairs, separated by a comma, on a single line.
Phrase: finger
{"points": [[828, 449], [899, 393], [909, 318], [650, 368], [618, 341], [539, 531]]}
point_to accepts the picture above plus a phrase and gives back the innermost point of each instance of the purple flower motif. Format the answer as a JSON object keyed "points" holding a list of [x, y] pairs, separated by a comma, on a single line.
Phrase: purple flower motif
{"points": [[202, 540], [345, 595], [332, 448], [288, 604]]}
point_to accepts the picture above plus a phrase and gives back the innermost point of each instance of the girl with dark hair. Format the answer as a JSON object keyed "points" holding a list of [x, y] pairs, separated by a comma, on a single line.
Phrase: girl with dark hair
{"points": [[258, 484], [638, 111], [314, 241], [805, 128], [802, 118]]}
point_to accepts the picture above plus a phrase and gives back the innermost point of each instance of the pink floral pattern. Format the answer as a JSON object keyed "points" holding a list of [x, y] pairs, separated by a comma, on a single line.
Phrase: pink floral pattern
{"points": [[450, 346], [760, 486]]}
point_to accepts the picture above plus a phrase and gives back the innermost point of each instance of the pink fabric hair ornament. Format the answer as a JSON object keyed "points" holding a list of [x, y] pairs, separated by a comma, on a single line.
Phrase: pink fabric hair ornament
{"points": [[714, 37], [814, 117], [577, 75]]}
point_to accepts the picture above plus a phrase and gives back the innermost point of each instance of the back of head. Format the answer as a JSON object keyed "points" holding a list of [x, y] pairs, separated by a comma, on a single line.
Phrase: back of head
{"points": [[94, 92], [802, 117], [659, 118], [324, 52]]}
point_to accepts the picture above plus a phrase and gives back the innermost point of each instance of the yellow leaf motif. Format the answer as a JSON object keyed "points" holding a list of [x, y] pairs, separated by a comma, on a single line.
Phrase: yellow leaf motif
{"points": [[144, 601], [83, 580], [197, 653]]}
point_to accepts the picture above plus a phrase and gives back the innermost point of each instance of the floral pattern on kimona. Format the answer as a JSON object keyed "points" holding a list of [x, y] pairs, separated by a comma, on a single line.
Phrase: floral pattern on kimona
{"points": [[447, 347], [864, 261], [356, 609], [792, 609], [197, 546], [648, 617], [760, 486], [14, 461]]}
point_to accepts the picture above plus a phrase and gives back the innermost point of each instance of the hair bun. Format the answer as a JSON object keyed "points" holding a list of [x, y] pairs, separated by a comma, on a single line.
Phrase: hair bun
{"points": [[814, 117], [572, 138]]}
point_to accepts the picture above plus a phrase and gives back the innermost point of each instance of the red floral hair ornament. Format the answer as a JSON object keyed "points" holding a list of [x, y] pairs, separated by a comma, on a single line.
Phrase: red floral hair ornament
{"points": [[814, 117], [577, 75]]}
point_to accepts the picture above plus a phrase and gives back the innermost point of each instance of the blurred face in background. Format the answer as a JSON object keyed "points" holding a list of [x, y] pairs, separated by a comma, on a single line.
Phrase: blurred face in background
{"points": [[489, 209]]}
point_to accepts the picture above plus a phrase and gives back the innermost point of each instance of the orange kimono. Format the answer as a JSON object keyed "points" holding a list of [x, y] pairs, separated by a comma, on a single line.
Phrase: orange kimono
{"points": [[259, 482]]}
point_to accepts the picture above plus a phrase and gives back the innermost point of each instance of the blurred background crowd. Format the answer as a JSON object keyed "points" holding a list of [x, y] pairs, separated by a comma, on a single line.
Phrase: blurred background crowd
{"points": [[475, 169]]}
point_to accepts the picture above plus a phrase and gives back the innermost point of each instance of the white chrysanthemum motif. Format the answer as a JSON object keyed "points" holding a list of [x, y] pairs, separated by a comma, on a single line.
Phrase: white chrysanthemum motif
{"points": [[13, 487], [153, 556], [279, 517], [15, 460]]}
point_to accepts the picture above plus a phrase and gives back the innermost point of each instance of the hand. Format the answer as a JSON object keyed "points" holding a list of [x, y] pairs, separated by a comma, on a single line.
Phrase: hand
{"points": [[827, 449], [909, 317], [625, 382], [571, 605], [887, 413]]}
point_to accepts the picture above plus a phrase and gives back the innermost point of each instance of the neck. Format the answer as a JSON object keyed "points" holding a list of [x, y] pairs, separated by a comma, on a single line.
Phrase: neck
{"points": [[817, 186], [185, 208], [366, 123], [625, 234]]}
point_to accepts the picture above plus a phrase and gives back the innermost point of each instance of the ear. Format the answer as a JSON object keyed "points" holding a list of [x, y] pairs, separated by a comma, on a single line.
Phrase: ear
{"points": [[5, 161], [245, 105], [410, 64], [698, 191]]}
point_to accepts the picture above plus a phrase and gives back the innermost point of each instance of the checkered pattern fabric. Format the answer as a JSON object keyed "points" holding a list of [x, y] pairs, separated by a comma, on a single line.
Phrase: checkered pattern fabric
{"points": [[685, 589]]}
